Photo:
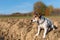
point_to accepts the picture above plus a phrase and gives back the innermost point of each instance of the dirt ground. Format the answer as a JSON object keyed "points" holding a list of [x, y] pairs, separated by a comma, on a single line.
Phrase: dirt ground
{"points": [[21, 29]]}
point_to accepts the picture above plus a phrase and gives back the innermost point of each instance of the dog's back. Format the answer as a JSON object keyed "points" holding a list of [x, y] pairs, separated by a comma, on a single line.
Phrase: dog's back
{"points": [[46, 20]]}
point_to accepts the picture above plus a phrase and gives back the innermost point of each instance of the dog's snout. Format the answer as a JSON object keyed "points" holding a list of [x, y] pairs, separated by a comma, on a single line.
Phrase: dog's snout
{"points": [[31, 21]]}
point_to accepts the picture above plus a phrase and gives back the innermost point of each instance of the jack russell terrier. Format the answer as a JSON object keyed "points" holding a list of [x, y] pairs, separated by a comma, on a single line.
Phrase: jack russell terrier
{"points": [[44, 23]]}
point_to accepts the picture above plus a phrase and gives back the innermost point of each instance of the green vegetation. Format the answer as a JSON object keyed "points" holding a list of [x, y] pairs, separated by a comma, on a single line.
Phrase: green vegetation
{"points": [[27, 16], [40, 8], [15, 16]]}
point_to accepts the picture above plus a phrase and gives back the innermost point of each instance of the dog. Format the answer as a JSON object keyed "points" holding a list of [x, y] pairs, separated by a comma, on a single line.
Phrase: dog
{"points": [[44, 23]]}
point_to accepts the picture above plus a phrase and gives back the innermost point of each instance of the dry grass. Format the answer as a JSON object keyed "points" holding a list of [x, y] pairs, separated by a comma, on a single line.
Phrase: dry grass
{"points": [[21, 29]]}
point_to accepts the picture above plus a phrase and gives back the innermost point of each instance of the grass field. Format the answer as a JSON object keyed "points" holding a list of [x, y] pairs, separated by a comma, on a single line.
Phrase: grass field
{"points": [[19, 28]]}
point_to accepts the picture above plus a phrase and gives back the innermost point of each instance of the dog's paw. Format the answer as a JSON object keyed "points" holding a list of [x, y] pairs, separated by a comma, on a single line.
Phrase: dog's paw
{"points": [[44, 37], [37, 34]]}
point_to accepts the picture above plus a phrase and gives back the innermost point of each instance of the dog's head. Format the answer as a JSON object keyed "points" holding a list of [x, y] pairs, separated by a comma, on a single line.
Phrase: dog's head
{"points": [[35, 18]]}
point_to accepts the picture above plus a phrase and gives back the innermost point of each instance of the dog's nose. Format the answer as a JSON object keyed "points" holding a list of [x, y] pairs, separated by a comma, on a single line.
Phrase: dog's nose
{"points": [[31, 20]]}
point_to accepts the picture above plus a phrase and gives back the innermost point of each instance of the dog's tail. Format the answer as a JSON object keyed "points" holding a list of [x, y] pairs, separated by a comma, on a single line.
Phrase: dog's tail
{"points": [[55, 27], [55, 24]]}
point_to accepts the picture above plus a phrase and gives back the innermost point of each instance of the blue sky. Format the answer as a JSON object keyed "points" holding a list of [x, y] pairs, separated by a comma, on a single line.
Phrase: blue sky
{"points": [[23, 6]]}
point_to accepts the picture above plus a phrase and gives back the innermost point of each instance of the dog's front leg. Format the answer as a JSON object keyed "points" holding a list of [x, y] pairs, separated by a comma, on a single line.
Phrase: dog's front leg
{"points": [[45, 31], [38, 31]]}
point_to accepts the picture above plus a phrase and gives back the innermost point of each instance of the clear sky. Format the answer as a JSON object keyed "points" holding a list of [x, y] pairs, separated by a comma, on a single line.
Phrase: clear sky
{"points": [[23, 6]]}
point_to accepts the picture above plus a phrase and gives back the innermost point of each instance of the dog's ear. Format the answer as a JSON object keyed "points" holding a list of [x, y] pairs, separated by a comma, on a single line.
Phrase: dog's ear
{"points": [[40, 16], [36, 14]]}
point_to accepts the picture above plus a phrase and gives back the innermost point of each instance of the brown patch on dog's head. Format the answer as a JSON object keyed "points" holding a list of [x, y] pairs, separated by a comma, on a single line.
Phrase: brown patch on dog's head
{"points": [[36, 17], [36, 13]]}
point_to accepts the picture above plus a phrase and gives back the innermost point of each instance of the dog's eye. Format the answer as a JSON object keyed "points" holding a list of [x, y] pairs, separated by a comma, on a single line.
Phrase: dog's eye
{"points": [[35, 16]]}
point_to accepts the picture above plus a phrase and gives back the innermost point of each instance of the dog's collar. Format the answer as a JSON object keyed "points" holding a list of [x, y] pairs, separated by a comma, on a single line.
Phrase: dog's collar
{"points": [[42, 22]]}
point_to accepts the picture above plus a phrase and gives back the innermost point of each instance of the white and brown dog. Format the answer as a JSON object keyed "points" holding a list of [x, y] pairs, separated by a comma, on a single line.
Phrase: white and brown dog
{"points": [[44, 23]]}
